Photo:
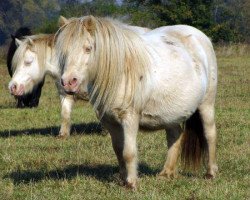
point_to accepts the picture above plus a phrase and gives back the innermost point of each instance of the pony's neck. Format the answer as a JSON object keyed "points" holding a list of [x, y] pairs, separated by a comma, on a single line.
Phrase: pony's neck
{"points": [[51, 68]]}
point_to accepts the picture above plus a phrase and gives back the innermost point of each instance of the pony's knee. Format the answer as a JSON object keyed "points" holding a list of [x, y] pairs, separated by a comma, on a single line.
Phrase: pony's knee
{"points": [[66, 110], [129, 156]]}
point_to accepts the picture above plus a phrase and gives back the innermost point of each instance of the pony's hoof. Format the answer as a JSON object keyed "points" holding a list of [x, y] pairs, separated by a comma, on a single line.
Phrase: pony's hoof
{"points": [[209, 176], [131, 184], [62, 136], [170, 174]]}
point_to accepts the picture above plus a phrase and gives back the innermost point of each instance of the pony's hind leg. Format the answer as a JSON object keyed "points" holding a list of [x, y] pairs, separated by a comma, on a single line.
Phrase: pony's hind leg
{"points": [[174, 137], [207, 115], [66, 102]]}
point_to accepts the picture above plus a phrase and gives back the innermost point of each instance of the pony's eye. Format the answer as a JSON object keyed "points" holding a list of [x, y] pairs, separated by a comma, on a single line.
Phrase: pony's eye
{"points": [[88, 49], [28, 62]]}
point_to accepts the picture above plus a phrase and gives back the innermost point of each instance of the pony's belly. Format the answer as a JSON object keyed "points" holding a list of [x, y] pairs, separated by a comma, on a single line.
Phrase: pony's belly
{"points": [[161, 114], [149, 122], [156, 121]]}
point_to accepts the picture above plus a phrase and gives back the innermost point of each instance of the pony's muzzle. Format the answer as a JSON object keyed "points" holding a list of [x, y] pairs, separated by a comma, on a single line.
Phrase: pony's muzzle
{"points": [[17, 90], [13, 88], [70, 85]]}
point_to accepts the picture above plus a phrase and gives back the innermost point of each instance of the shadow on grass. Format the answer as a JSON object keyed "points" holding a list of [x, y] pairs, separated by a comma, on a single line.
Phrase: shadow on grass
{"points": [[83, 128], [103, 173]]}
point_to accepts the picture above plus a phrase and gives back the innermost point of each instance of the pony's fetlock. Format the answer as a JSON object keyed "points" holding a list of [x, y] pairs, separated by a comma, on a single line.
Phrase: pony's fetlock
{"points": [[63, 135], [64, 131], [168, 173]]}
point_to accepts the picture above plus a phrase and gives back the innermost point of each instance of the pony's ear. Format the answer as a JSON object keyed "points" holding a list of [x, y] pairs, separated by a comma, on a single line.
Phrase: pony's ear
{"points": [[89, 24], [30, 41], [62, 21], [12, 37], [18, 42]]}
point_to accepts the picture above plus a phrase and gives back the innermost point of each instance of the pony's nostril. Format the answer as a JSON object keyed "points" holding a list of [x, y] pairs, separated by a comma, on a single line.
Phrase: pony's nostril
{"points": [[13, 88], [73, 81]]}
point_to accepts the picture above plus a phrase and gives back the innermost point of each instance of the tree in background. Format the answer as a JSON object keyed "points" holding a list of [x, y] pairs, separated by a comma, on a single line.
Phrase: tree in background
{"points": [[246, 23], [9, 20], [231, 20], [31, 13], [196, 12], [78, 8], [222, 20]]}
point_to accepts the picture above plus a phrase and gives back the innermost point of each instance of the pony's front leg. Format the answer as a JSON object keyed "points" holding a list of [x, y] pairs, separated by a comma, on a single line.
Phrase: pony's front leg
{"points": [[174, 136], [67, 103], [123, 132], [130, 125]]}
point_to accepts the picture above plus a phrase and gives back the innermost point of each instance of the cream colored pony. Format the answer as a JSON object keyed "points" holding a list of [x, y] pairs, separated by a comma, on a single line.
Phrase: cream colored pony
{"points": [[33, 60], [158, 80]]}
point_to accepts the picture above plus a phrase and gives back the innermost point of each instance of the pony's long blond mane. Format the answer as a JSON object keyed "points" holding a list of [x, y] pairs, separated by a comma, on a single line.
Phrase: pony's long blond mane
{"points": [[36, 43], [119, 53]]}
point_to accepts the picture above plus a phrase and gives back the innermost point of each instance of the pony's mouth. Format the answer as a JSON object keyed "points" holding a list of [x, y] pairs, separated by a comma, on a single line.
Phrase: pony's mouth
{"points": [[71, 90]]}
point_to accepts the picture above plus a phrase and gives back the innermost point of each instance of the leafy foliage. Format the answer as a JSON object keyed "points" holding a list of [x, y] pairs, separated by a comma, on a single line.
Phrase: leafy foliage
{"points": [[223, 21], [31, 13]]}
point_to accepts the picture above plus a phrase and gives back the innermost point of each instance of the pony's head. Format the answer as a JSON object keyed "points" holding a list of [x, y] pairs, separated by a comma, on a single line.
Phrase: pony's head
{"points": [[74, 54], [101, 53], [28, 64]]}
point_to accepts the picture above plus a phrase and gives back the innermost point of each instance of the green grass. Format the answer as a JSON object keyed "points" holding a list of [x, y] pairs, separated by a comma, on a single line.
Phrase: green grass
{"points": [[34, 164]]}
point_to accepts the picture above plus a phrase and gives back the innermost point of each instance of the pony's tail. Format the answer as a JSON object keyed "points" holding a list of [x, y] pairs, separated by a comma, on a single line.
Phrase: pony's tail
{"points": [[194, 143]]}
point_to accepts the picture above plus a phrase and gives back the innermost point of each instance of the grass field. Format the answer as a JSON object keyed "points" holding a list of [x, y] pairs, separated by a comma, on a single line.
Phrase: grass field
{"points": [[34, 164]]}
